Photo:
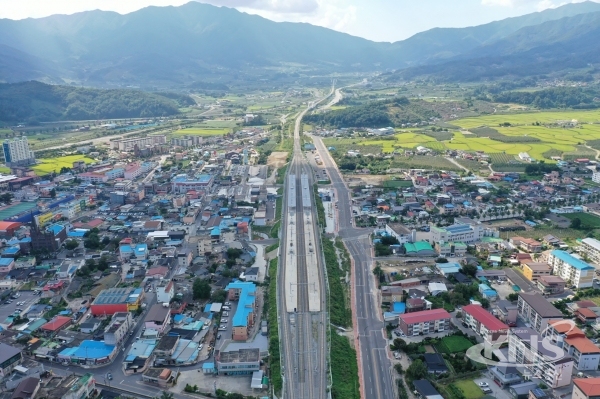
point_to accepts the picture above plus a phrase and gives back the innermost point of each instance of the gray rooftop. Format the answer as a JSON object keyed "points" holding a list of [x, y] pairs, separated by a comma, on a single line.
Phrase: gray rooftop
{"points": [[541, 305]]}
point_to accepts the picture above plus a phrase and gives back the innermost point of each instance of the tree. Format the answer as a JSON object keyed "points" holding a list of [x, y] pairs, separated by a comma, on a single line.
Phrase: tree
{"points": [[201, 289], [417, 370], [102, 264], [71, 245], [469, 270], [166, 395], [576, 223], [219, 296], [400, 344], [6, 197]]}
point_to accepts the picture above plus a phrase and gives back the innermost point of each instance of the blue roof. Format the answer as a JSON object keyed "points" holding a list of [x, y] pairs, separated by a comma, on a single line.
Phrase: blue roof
{"points": [[458, 228], [76, 233], [215, 232], [246, 302], [56, 228], [399, 307], [125, 248], [484, 287], [26, 239], [11, 251], [141, 247], [490, 292], [6, 261], [571, 260], [208, 366], [89, 350]]}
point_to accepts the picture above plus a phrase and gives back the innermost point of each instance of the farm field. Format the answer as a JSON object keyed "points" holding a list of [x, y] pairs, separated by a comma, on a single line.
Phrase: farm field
{"points": [[206, 132], [397, 183], [587, 219], [49, 165], [529, 118], [214, 124], [454, 344]]}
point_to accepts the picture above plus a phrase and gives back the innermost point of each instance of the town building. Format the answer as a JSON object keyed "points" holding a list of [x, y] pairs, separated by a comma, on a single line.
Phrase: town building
{"points": [[163, 378], [586, 388], [130, 144], [534, 270], [157, 319], [237, 362], [507, 312], [573, 270], [17, 153], [243, 319], [526, 244], [116, 332], [535, 309], [27, 388], [590, 247], [551, 285], [566, 335], [181, 184], [84, 387], [165, 292], [56, 324], [401, 233], [114, 300], [10, 357], [485, 324], [425, 322], [539, 358]]}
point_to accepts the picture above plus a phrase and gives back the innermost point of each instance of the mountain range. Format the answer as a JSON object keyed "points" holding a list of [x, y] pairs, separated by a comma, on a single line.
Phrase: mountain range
{"points": [[203, 45]]}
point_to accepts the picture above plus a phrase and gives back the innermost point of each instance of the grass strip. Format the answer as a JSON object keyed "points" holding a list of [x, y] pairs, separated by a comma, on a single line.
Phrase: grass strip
{"points": [[345, 370], [271, 309]]}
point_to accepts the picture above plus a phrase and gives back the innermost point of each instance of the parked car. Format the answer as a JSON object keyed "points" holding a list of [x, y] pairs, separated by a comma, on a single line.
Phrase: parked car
{"points": [[219, 336], [224, 321], [109, 376], [483, 384]]}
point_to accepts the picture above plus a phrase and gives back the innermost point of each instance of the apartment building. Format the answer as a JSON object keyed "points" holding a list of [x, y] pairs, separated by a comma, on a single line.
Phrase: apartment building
{"points": [[535, 309], [425, 322], [573, 270], [485, 324], [566, 335], [17, 152], [534, 270], [591, 248], [551, 285], [140, 142], [538, 357], [243, 319]]}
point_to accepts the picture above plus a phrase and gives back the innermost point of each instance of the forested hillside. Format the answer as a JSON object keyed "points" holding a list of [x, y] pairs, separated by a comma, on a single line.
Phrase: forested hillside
{"points": [[559, 97], [376, 114], [38, 102]]}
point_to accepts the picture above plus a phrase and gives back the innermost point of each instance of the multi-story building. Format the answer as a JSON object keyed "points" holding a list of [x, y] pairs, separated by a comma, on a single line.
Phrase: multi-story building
{"points": [[102, 175], [239, 362], [535, 309], [165, 292], [573, 270], [485, 324], [402, 234], [72, 209], [425, 322], [243, 319], [566, 335], [467, 232], [140, 142], [551, 285], [10, 357], [204, 246], [84, 387], [538, 357], [534, 270], [17, 152], [157, 319], [507, 312], [586, 388], [526, 244], [182, 184], [116, 333], [591, 248]]}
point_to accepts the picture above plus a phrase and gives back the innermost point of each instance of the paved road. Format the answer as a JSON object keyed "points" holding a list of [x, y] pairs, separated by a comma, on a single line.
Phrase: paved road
{"points": [[374, 363]]}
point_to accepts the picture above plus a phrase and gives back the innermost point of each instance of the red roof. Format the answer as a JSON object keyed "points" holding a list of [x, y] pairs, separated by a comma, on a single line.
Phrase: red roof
{"points": [[159, 270], [585, 304], [485, 318], [56, 323], [426, 315], [587, 313], [9, 225], [589, 386]]}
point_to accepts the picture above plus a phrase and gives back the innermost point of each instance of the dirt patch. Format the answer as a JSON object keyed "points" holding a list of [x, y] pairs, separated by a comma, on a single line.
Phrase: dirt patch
{"points": [[277, 159], [429, 349], [358, 180]]}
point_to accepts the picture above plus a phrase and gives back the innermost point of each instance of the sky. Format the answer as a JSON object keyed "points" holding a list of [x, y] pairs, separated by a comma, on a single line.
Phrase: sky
{"points": [[379, 20]]}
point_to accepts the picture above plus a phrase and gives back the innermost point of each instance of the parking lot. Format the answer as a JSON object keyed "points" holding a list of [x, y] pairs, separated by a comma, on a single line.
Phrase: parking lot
{"points": [[8, 309]]}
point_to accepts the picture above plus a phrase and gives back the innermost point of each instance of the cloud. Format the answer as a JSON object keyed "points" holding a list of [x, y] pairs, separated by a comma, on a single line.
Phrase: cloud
{"points": [[277, 6]]}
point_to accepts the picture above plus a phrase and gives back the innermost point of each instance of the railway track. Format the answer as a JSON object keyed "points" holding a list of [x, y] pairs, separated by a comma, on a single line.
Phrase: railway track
{"points": [[302, 285]]}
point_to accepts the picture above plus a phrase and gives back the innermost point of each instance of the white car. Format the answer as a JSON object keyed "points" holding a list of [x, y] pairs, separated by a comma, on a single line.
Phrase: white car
{"points": [[223, 328], [227, 304], [225, 313], [224, 321], [483, 384]]}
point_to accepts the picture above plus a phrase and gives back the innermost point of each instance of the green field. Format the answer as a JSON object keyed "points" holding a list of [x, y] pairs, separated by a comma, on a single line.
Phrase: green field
{"points": [[587, 219], [469, 389], [206, 132], [397, 183], [49, 165], [454, 344]]}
